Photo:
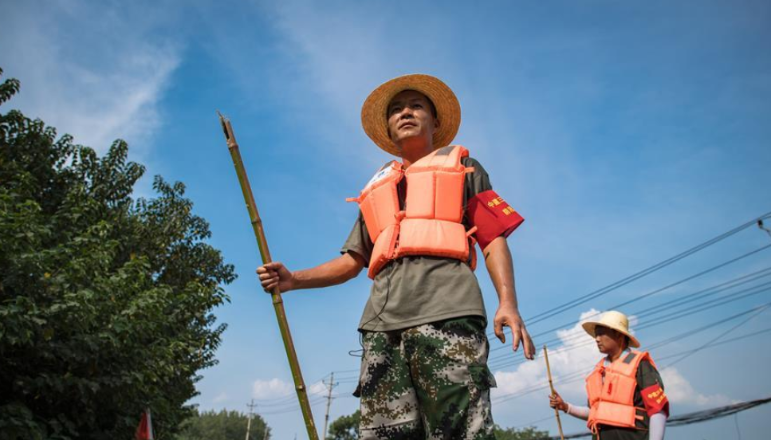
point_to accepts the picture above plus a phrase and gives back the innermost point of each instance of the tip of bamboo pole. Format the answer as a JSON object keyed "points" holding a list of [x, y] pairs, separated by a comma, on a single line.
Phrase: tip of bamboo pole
{"points": [[224, 122]]}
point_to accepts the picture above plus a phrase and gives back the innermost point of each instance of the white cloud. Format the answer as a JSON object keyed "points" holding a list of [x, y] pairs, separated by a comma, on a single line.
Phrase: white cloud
{"points": [[276, 388], [273, 388], [317, 388], [93, 71], [679, 390]]}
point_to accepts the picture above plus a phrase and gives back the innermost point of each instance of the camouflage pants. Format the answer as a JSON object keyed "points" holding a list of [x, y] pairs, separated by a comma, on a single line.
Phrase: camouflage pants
{"points": [[427, 382]]}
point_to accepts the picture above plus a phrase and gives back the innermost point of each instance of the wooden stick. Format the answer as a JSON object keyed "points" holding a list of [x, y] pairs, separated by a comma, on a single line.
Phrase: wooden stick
{"points": [[551, 385], [278, 303]]}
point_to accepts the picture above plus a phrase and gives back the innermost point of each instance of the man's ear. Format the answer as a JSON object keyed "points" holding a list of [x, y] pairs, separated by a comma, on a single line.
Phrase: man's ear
{"points": [[436, 123]]}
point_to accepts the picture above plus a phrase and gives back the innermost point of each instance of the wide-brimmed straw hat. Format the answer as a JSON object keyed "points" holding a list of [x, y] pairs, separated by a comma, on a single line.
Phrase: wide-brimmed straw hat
{"points": [[374, 112], [613, 320]]}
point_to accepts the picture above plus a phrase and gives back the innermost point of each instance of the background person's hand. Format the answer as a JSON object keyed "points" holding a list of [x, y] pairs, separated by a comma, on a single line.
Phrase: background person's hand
{"points": [[555, 401], [275, 274]]}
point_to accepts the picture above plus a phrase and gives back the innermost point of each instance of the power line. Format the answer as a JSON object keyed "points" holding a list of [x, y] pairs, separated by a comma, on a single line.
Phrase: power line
{"points": [[711, 325], [604, 290], [646, 295], [715, 302], [659, 308], [711, 341], [661, 320]]}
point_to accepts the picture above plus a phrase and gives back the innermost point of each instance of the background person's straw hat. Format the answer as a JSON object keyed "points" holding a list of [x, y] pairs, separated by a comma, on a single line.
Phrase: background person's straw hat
{"points": [[374, 117], [614, 320]]}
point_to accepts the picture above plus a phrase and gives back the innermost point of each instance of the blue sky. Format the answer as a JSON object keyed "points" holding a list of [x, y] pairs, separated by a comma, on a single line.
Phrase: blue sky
{"points": [[624, 133]]}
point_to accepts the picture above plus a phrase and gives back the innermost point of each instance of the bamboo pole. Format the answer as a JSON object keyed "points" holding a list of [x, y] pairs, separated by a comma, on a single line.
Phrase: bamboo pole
{"points": [[278, 303], [551, 385]]}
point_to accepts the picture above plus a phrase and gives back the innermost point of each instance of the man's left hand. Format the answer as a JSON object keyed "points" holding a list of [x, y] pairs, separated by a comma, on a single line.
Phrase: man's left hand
{"points": [[509, 316]]}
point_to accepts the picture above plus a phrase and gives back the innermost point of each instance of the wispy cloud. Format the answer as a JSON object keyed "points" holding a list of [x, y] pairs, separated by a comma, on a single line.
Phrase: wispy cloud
{"points": [[276, 388], [91, 70], [270, 389], [339, 57], [679, 390]]}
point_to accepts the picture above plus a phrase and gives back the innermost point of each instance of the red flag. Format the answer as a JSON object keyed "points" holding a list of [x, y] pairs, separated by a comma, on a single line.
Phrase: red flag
{"points": [[145, 428]]}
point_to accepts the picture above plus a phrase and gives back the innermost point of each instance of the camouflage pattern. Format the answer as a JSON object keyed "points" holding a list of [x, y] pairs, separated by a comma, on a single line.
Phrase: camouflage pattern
{"points": [[427, 382]]}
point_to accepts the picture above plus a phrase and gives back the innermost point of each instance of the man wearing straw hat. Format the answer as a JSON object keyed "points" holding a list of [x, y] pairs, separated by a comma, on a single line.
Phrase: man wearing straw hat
{"points": [[626, 393], [424, 369]]}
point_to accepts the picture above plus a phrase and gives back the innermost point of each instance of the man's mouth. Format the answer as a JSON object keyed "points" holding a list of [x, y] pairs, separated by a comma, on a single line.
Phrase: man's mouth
{"points": [[407, 125]]}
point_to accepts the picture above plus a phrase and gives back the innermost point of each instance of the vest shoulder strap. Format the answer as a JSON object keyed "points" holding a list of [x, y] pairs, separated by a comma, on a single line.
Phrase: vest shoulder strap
{"points": [[390, 171], [628, 362]]}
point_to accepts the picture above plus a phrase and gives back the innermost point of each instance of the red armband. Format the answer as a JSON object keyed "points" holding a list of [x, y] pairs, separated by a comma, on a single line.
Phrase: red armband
{"points": [[492, 216], [655, 400]]}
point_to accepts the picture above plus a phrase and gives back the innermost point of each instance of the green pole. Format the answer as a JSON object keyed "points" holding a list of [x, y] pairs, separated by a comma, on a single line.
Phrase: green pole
{"points": [[278, 303]]}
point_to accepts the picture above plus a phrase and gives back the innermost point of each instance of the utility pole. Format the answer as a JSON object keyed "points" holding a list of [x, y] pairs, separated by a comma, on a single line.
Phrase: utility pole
{"points": [[249, 423], [330, 385]]}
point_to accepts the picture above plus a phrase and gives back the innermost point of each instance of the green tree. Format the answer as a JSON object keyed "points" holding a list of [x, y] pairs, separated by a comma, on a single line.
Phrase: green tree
{"points": [[105, 301], [345, 427], [529, 433], [223, 425]]}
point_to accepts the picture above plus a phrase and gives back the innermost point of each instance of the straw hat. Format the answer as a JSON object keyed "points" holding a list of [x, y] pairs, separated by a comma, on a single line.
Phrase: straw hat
{"points": [[613, 320], [374, 112]]}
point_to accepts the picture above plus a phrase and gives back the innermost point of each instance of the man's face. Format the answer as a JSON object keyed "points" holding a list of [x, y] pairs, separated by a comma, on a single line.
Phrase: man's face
{"points": [[608, 340], [410, 116]]}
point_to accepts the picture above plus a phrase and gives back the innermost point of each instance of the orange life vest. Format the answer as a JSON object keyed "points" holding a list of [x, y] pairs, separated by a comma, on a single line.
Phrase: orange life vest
{"points": [[611, 398], [431, 223]]}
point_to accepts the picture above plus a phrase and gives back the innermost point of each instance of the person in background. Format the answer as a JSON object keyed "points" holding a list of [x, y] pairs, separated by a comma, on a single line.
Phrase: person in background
{"points": [[625, 390]]}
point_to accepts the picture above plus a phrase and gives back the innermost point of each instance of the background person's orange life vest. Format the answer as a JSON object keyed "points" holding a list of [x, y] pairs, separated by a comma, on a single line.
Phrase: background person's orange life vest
{"points": [[431, 223], [611, 399]]}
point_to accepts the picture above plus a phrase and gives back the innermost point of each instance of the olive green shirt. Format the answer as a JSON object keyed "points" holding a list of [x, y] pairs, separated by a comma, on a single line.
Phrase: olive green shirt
{"points": [[416, 290]]}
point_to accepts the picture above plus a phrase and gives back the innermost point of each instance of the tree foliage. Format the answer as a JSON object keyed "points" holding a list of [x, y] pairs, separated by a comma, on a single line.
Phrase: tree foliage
{"points": [[223, 425], [529, 433], [105, 301], [345, 427]]}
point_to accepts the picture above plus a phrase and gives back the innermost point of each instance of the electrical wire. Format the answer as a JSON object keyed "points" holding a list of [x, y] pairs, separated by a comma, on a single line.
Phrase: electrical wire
{"points": [[496, 363], [658, 266], [658, 308], [659, 290]]}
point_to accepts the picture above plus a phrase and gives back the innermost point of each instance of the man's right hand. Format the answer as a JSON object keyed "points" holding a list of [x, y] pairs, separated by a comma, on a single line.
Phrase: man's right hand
{"points": [[275, 274], [555, 401]]}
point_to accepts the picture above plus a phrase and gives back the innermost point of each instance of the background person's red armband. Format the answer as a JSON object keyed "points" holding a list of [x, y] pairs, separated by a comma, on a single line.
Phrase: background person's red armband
{"points": [[655, 400], [492, 216]]}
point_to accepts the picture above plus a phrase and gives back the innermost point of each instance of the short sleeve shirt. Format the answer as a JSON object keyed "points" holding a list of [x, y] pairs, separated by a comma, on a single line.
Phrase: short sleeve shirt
{"points": [[415, 290], [649, 394]]}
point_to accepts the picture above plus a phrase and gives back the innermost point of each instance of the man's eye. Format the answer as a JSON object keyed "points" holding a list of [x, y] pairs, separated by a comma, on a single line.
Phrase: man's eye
{"points": [[394, 110]]}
